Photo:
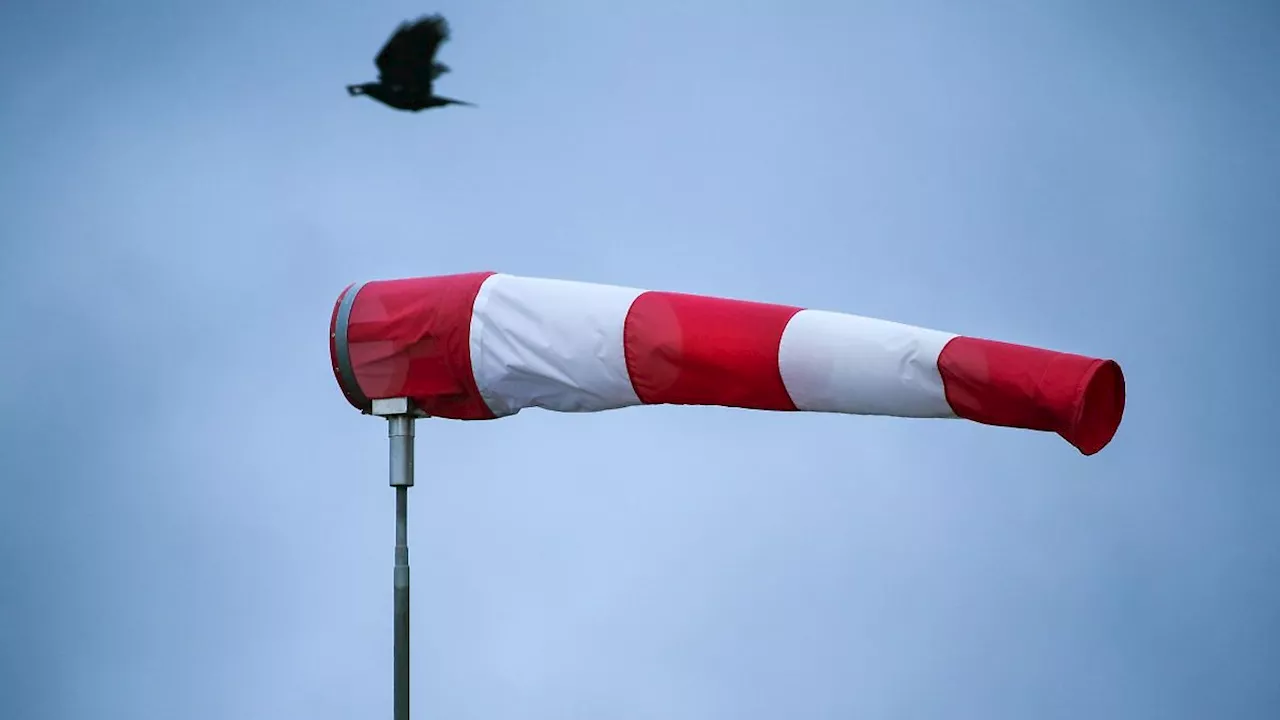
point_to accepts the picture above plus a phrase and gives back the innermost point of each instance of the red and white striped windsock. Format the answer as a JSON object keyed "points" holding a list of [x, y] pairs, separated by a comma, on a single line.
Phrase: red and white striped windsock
{"points": [[484, 345]]}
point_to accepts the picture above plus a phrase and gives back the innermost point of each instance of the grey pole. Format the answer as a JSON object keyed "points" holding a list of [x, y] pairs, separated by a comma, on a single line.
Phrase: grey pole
{"points": [[400, 415]]}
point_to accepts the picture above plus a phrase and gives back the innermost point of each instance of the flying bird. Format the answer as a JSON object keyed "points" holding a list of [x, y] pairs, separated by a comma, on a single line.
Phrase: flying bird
{"points": [[407, 67]]}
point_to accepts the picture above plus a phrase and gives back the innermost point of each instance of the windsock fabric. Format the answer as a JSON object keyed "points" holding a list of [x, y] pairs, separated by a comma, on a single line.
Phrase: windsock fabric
{"points": [[485, 345]]}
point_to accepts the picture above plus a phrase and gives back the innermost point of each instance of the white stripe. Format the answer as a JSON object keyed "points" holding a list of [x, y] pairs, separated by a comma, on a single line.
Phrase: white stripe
{"points": [[552, 344], [833, 362]]}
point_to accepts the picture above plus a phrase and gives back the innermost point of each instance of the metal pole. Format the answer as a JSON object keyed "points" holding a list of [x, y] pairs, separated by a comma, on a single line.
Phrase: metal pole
{"points": [[400, 433]]}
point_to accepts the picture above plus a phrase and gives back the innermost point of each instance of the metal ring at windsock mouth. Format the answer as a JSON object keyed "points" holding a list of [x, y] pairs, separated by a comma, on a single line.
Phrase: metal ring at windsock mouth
{"points": [[343, 370]]}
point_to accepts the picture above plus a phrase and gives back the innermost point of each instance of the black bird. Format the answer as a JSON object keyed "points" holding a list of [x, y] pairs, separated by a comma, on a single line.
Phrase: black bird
{"points": [[407, 67]]}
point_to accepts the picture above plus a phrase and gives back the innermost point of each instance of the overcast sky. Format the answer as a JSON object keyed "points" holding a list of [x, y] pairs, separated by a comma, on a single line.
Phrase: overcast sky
{"points": [[194, 523]]}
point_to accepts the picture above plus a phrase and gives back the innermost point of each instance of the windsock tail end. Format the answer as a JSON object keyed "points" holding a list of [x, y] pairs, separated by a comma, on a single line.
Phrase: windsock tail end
{"points": [[1100, 409], [1079, 398]]}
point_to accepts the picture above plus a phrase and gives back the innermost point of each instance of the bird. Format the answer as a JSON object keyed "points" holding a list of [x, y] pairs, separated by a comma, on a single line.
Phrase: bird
{"points": [[407, 67]]}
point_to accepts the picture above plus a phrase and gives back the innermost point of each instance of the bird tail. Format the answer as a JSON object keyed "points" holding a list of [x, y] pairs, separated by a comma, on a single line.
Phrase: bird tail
{"points": [[451, 101], [354, 90]]}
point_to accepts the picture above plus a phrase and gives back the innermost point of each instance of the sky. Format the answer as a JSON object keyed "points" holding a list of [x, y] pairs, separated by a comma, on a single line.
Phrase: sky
{"points": [[194, 523]]}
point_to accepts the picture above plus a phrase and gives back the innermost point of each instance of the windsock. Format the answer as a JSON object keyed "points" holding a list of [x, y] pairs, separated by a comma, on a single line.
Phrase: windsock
{"points": [[479, 346]]}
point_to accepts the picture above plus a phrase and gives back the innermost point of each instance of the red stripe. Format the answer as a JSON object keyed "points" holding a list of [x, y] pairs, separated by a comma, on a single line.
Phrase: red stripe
{"points": [[695, 350], [1080, 398], [412, 338]]}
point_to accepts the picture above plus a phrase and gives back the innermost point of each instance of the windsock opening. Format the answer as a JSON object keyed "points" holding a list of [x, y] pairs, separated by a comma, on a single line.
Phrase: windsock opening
{"points": [[1101, 408]]}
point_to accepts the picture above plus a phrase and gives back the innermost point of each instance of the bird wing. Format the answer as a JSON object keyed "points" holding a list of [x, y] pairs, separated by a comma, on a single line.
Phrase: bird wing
{"points": [[408, 57]]}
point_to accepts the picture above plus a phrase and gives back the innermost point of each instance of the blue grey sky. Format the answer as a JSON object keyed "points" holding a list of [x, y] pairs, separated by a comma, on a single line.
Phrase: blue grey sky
{"points": [[194, 523]]}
